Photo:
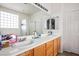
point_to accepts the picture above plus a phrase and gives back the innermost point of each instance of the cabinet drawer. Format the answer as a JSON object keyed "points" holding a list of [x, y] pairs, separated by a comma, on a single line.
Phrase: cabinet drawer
{"points": [[55, 52], [49, 45], [40, 50], [55, 47], [55, 43], [27, 53], [49, 52], [49, 48], [59, 44]]}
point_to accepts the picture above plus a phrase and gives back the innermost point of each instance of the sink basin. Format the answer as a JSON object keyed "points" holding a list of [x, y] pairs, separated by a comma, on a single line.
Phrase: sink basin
{"points": [[44, 35], [36, 40], [15, 50], [23, 43]]}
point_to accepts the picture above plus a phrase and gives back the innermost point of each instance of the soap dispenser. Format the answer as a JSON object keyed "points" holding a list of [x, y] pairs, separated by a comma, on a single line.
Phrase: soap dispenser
{"points": [[35, 34]]}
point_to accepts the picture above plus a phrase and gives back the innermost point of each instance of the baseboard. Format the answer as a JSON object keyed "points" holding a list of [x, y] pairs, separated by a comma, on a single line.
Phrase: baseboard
{"points": [[72, 53]]}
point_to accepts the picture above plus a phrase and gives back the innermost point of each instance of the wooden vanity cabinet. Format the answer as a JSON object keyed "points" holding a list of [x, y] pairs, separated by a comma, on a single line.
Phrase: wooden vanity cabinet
{"points": [[57, 46], [40, 50], [30, 53], [27, 53], [50, 48]]}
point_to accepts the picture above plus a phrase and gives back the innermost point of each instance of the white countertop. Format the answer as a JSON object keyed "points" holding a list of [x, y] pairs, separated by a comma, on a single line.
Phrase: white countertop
{"points": [[13, 51]]}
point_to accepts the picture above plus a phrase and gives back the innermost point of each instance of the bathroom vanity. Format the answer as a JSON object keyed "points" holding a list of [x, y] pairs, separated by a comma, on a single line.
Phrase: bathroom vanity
{"points": [[50, 48], [30, 20], [43, 46]]}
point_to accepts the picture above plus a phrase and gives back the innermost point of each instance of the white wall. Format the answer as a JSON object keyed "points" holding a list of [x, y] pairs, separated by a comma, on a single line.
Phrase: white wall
{"points": [[12, 30], [71, 28], [68, 25]]}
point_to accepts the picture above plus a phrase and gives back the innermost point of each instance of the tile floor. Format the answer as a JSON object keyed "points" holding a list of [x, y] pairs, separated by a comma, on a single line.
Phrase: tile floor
{"points": [[67, 54]]}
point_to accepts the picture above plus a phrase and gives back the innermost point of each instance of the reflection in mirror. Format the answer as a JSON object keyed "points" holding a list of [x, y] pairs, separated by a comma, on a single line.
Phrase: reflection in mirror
{"points": [[52, 23], [23, 27], [30, 19], [48, 23]]}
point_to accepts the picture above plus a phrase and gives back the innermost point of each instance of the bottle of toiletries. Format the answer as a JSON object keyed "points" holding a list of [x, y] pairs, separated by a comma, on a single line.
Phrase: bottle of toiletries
{"points": [[0, 45], [35, 34], [0, 37]]}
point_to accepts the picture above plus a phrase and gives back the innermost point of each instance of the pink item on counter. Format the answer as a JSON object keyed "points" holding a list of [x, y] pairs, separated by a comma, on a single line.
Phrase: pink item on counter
{"points": [[13, 39]]}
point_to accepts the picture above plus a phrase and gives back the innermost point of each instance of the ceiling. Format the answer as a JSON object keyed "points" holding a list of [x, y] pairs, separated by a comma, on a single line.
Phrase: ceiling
{"points": [[25, 8]]}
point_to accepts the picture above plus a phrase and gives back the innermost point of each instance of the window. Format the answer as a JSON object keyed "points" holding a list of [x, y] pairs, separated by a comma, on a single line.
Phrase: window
{"points": [[51, 24], [23, 24], [8, 20]]}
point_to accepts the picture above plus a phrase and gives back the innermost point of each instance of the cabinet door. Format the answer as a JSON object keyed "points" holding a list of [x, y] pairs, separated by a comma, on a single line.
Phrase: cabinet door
{"points": [[30, 53], [59, 44], [49, 48], [40, 50], [55, 47], [27, 53]]}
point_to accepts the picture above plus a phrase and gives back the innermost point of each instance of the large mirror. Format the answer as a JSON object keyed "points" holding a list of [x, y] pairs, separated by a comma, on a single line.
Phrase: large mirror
{"points": [[23, 19]]}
